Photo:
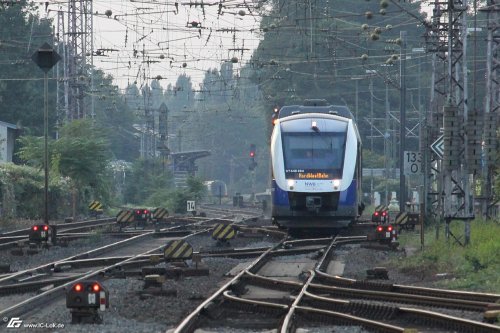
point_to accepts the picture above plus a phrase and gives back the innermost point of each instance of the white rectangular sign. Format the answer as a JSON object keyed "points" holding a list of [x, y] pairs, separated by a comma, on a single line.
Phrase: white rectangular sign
{"points": [[412, 163], [191, 207]]}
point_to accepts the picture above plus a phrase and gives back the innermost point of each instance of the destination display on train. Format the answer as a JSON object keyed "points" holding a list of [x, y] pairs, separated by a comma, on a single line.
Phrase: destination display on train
{"points": [[307, 174]]}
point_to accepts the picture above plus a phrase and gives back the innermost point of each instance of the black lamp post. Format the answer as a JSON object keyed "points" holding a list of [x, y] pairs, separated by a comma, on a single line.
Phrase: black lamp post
{"points": [[46, 57]]}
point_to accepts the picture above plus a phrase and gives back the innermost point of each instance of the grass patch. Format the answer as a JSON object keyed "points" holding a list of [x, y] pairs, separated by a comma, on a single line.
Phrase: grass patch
{"points": [[474, 267]]}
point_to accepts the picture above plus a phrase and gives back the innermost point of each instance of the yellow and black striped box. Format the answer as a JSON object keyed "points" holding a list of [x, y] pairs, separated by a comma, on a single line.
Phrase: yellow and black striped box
{"points": [[95, 206], [178, 250], [223, 232], [160, 213], [125, 216], [401, 218]]}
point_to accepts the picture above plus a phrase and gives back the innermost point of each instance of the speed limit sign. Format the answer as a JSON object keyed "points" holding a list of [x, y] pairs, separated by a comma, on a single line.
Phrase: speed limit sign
{"points": [[412, 163]]}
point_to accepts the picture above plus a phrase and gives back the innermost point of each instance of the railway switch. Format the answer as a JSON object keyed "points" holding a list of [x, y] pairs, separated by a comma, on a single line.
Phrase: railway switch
{"points": [[85, 299]]}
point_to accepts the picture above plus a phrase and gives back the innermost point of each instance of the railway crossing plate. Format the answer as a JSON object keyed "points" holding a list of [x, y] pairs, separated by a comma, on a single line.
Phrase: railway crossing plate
{"points": [[178, 249]]}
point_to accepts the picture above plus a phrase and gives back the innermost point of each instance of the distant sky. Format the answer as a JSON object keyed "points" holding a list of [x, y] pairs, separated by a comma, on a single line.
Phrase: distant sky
{"points": [[171, 35]]}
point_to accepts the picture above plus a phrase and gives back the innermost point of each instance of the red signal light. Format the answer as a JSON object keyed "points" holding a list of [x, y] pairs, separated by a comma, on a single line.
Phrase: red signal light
{"points": [[380, 229], [96, 287], [145, 211], [45, 227], [78, 287], [252, 154], [389, 228], [376, 213], [384, 213], [138, 211], [35, 228]]}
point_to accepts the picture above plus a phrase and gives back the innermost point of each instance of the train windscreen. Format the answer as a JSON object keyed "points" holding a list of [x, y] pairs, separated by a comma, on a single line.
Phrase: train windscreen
{"points": [[315, 155]]}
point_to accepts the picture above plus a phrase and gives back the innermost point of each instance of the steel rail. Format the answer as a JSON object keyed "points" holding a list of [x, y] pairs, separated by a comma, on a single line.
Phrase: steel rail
{"points": [[95, 252], [405, 289], [295, 307], [250, 211], [393, 312], [24, 287], [249, 276], [287, 321], [345, 318], [339, 316], [61, 226], [401, 298], [12, 239], [275, 306], [48, 296], [87, 254], [188, 322]]}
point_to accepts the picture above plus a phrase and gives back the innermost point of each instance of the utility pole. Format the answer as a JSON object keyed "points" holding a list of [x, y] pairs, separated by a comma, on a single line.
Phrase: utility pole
{"points": [[75, 44], [402, 117], [356, 101], [79, 56], [386, 142], [62, 87], [371, 136], [163, 133], [423, 139], [492, 102]]}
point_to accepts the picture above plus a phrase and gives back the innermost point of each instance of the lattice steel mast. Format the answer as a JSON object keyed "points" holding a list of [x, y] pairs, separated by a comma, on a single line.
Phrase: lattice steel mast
{"points": [[447, 39], [492, 103], [79, 59]]}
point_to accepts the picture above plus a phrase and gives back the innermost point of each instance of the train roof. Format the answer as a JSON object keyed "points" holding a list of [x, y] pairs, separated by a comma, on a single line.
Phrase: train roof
{"points": [[315, 106]]}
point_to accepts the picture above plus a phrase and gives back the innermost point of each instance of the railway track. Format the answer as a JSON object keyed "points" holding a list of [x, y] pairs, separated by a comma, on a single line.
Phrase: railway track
{"points": [[17, 238], [307, 296], [53, 278], [225, 211], [292, 285]]}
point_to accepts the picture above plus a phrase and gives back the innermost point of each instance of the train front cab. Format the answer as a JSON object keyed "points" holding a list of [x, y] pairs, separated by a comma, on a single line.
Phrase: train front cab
{"points": [[318, 209]]}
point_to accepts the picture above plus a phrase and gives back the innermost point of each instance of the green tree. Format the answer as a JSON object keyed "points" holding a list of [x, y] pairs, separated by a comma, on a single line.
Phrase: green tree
{"points": [[21, 98], [117, 112], [148, 182], [81, 154]]}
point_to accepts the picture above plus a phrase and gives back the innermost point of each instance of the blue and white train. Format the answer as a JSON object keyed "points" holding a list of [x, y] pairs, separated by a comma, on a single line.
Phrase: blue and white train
{"points": [[316, 166]]}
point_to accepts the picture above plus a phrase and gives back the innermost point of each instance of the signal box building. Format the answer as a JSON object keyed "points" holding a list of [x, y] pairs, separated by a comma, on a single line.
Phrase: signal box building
{"points": [[7, 139]]}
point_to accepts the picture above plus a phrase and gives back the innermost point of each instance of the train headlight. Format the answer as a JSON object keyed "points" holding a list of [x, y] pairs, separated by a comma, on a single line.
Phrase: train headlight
{"points": [[291, 183], [336, 184]]}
